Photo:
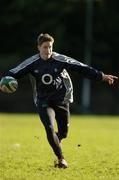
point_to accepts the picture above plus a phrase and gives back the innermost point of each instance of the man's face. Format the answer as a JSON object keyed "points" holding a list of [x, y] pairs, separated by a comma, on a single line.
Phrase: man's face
{"points": [[45, 50]]}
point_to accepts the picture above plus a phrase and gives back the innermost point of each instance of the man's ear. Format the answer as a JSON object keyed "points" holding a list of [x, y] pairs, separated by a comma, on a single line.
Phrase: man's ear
{"points": [[38, 47]]}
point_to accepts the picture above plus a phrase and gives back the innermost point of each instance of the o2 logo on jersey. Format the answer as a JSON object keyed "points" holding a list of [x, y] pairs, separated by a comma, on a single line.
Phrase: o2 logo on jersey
{"points": [[47, 79]]}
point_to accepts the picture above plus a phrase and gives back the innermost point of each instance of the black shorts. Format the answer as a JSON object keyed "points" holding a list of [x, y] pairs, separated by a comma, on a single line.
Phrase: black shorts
{"points": [[49, 112]]}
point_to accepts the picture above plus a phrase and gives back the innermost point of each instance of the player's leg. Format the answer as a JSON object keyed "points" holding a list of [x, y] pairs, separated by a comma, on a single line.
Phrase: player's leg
{"points": [[62, 118], [47, 116]]}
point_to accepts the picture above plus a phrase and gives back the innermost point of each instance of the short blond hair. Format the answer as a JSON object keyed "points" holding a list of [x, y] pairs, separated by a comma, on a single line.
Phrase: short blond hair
{"points": [[44, 38]]}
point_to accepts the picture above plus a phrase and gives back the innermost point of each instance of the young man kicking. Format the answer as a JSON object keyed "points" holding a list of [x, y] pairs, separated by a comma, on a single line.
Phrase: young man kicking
{"points": [[53, 90]]}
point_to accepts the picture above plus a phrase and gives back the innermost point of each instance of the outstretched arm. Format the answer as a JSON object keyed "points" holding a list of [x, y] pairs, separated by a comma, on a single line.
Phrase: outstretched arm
{"points": [[109, 78], [87, 71]]}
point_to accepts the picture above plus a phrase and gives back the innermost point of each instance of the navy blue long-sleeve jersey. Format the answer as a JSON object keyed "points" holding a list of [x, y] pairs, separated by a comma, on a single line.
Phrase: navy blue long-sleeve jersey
{"points": [[50, 79]]}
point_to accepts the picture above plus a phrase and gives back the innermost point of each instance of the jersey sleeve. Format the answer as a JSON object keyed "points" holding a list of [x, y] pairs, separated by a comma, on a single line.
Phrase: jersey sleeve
{"points": [[22, 69], [74, 65], [19, 71]]}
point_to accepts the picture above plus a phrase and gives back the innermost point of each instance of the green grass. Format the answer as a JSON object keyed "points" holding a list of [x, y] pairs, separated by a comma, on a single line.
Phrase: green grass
{"points": [[26, 155]]}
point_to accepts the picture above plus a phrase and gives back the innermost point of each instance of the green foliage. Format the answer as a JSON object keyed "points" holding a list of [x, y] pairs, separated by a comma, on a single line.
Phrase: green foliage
{"points": [[26, 154], [8, 61], [22, 20]]}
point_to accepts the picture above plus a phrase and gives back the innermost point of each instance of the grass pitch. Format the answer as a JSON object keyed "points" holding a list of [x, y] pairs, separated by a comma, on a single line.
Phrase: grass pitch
{"points": [[91, 149]]}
